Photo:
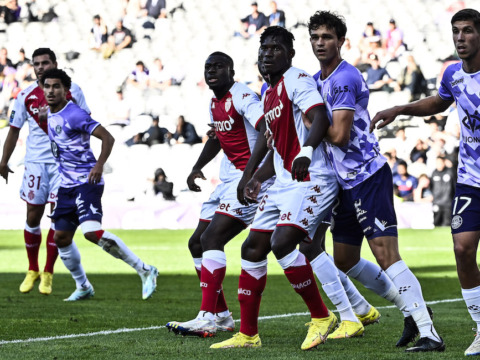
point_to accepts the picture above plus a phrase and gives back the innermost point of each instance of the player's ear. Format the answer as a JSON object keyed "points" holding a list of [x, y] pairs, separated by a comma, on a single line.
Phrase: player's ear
{"points": [[232, 73], [341, 41], [291, 53]]}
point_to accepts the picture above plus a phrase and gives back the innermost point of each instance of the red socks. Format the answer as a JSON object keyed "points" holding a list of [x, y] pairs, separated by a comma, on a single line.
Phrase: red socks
{"points": [[250, 295], [32, 244], [221, 302], [211, 284], [52, 252]]}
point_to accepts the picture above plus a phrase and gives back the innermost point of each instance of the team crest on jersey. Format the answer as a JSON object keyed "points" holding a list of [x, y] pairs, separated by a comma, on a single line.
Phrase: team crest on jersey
{"points": [[58, 129], [228, 104], [31, 195], [279, 89], [457, 221]]}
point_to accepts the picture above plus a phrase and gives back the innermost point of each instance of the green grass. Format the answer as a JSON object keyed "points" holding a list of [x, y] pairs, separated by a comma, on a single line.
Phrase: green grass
{"points": [[117, 304]]}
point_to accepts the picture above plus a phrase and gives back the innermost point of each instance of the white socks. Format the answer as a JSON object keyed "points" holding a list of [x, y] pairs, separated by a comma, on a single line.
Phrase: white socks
{"points": [[472, 300], [327, 273], [213, 260], [71, 259]]}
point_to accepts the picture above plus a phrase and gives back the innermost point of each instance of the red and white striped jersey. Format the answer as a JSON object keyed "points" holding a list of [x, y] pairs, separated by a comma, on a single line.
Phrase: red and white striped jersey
{"points": [[296, 92], [235, 117], [26, 107]]}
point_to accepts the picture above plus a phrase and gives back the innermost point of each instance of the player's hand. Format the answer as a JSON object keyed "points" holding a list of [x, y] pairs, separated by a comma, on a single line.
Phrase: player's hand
{"points": [[4, 171], [385, 116], [95, 175], [195, 174], [43, 114], [252, 189], [269, 137], [211, 132], [300, 167], [241, 190]]}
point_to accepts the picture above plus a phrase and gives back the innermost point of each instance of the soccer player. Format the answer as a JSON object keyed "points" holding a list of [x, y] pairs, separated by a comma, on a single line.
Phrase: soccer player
{"points": [[460, 83], [81, 187], [41, 178], [236, 114], [303, 192], [364, 177]]}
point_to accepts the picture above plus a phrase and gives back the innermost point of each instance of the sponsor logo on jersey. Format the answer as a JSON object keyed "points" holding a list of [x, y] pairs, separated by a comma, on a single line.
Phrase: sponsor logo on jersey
{"points": [[245, 95], [94, 210], [225, 207], [457, 221], [238, 211], [302, 285], [279, 89], [228, 104], [471, 139], [285, 216], [244, 292], [456, 82], [224, 125], [203, 284], [302, 75], [274, 113], [32, 97], [33, 110], [31, 195]]}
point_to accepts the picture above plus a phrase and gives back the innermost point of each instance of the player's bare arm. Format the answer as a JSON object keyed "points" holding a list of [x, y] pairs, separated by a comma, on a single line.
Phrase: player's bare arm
{"points": [[8, 148], [339, 131], [210, 150], [108, 140], [259, 151], [424, 107], [43, 114], [318, 131], [265, 172]]}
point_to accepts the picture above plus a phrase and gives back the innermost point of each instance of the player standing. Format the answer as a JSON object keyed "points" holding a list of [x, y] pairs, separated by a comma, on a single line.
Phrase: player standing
{"points": [[364, 177], [236, 114], [460, 83], [41, 178], [81, 188], [303, 192]]}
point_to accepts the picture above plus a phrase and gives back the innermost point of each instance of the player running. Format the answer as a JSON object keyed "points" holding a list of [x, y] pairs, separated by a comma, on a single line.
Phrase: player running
{"points": [[294, 205], [364, 177], [81, 188], [41, 178], [236, 114], [460, 83]]}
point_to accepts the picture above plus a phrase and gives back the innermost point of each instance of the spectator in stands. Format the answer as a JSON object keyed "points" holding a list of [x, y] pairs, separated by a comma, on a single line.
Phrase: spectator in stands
{"points": [[402, 144], [411, 79], [9, 88], [9, 11], [98, 34], [392, 160], [419, 151], [120, 38], [162, 186], [154, 9], [405, 182], [22, 59], [185, 132], [378, 78], [394, 41], [277, 17], [4, 60], [369, 36], [153, 135], [119, 110], [350, 53], [423, 193], [253, 24], [443, 189], [139, 77], [160, 77]]}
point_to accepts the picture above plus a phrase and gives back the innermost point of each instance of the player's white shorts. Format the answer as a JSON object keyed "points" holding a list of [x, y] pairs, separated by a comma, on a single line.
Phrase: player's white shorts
{"points": [[40, 183], [224, 201], [299, 204]]}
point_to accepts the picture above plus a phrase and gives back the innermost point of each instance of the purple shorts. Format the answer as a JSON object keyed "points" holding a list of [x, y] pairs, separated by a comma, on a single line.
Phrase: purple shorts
{"points": [[466, 209]]}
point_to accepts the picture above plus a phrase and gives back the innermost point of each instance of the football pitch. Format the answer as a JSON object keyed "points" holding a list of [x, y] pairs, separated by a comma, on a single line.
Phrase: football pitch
{"points": [[118, 324]]}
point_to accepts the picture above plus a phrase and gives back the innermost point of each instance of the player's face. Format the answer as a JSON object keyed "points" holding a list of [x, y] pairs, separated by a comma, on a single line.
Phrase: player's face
{"points": [[275, 56], [55, 92], [325, 44], [217, 72], [42, 63], [466, 39]]}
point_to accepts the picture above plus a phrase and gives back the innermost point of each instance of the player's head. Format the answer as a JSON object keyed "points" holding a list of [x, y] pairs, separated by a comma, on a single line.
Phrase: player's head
{"points": [[466, 33], [56, 84], [219, 71], [276, 50], [43, 59], [327, 34]]}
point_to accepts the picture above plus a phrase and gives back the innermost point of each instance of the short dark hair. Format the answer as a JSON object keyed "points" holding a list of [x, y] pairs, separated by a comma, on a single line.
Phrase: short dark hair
{"points": [[57, 74], [227, 58], [285, 36], [140, 63], [96, 17], [467, 14], [45, 51], [331, 20], [402, 163]]}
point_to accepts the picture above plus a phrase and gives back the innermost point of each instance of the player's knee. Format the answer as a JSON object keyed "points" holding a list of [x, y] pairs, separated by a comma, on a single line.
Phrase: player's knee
{"points": [[195, 246], [463, 250], [61, 239], [253, 251], [91, 236]]}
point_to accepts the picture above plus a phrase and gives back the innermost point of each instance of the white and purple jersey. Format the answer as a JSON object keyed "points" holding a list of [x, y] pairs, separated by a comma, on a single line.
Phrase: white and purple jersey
{"points": [[464, 88], [69, 131], [345, 89]]}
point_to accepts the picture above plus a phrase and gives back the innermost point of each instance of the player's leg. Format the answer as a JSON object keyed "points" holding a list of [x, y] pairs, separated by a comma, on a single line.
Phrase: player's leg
{"points": [[327, 273]]}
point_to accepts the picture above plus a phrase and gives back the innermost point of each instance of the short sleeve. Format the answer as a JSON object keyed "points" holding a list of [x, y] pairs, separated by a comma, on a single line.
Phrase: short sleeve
{"points": [[344, 90], [248, 105], [444, 91], [302, 90], [19, 113]]}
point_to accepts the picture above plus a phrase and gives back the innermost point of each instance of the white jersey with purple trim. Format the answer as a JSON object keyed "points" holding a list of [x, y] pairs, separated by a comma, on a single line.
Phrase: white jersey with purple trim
{"points": [[235, 117], [345, 89], [464, 88], [296, 92], [69, 130], [26, 107]]}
